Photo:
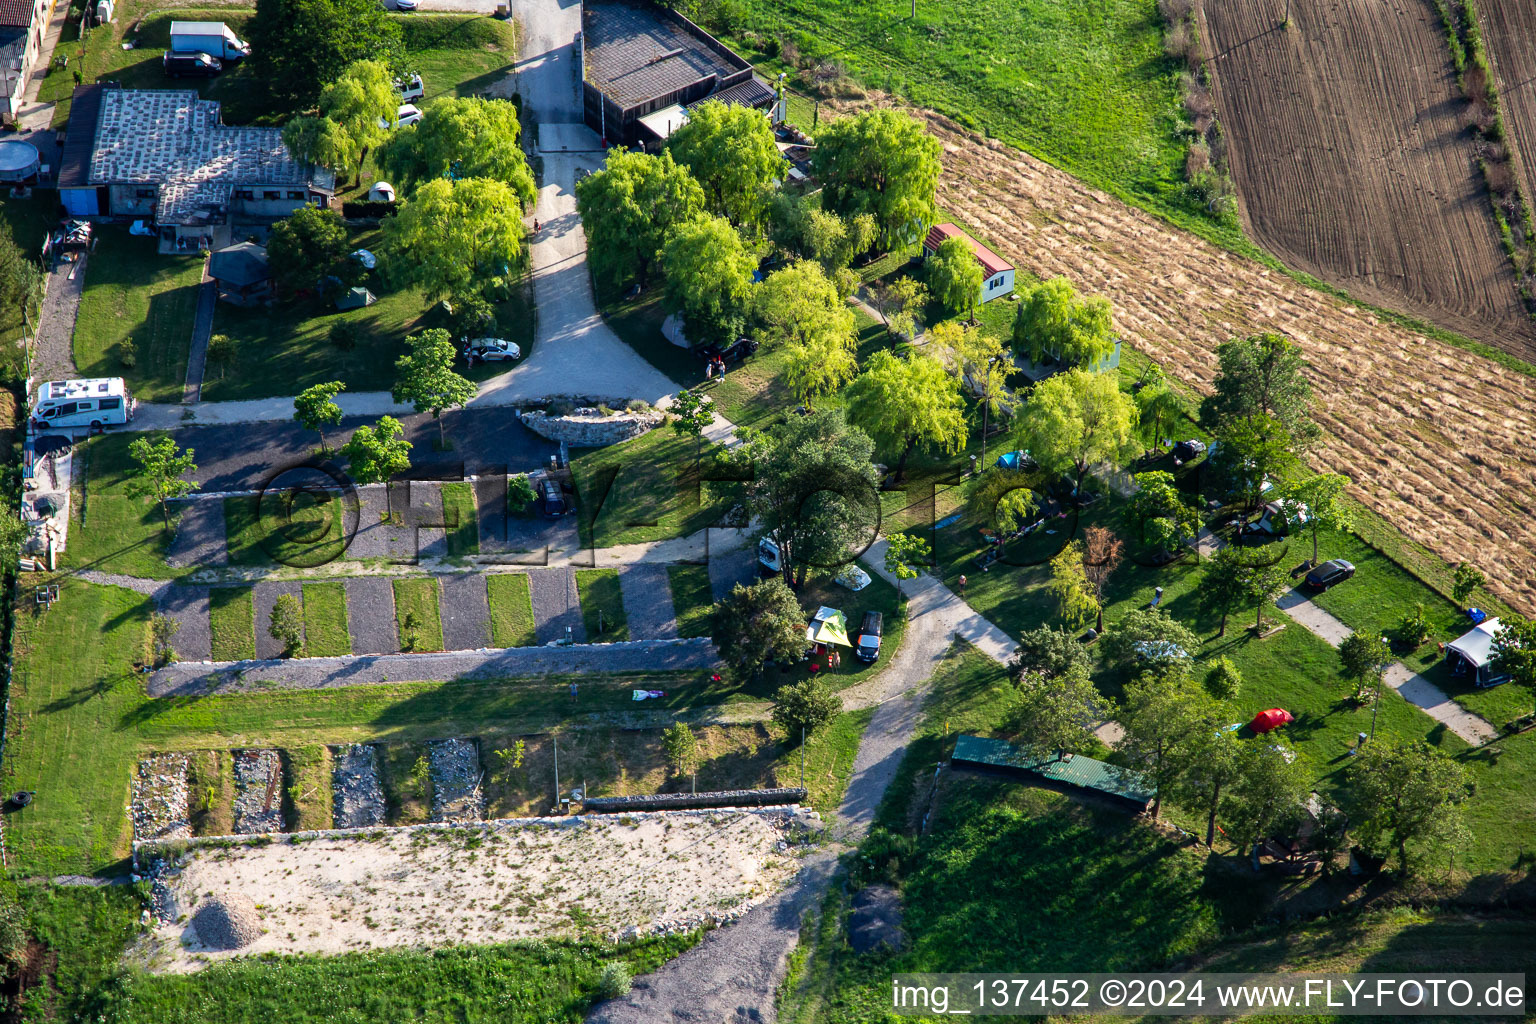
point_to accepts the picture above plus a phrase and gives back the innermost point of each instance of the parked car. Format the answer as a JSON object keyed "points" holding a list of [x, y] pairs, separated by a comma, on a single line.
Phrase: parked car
{"points": [[406, 114], [190, 65], [734, 353], [405, 5], [866, 647], [1329, 573], [768, 560], [492, 350], [552, 500], [411, 88], [1281, 518]]}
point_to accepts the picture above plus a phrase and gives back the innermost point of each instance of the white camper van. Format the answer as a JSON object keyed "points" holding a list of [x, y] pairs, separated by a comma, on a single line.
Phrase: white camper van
{"points": [[211, 37], [98, 402]]}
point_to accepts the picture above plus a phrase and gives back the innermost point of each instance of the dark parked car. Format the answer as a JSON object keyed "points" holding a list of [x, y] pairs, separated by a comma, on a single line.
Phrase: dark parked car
{"points": [[1329, 573], [732, 354], [551, 500], [866, 646], [190, 64]]}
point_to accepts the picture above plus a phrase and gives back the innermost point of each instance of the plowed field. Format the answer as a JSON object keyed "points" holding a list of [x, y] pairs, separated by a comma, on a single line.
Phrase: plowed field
{"points": [[1353, 162], [1436, 439], [1509, 33]]}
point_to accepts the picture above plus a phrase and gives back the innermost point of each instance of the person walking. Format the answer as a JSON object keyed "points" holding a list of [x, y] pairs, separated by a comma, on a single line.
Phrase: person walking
{"points": [[962, 586]]}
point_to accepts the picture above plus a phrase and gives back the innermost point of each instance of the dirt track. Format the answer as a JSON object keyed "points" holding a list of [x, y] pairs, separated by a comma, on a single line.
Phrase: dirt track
{"points": [[1353, 162], [1438, 440], [1509, 32]]}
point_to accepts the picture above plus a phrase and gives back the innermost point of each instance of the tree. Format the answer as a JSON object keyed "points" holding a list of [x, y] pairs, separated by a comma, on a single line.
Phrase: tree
{"points": [[357, 111], [1261, 584], [519, 491], [757, 624], [461, 137], [904, 552], [1002, 498], [297, 46], [1261, 377], [800, 708], [799, 226], [1163, 720], [1224, 682], [1076, 419], [1150, 640], [456, 237], [1165, 516], [1363, 656], [629, 208], [305, 247], [162, 631], [691, 414], [1223, 586], [1323, 497], [321, 141], [1216, 761], [817, 368], [315, 407], [1057, 713], [955, 276], [709, 272], [883, 163], [682, 749], [904, 402], [982, 366], [731, 152], [21, 279], [426, 377], [1407, 793], [1049, 653], [814, 492], [13, 534], [900, 305], [1069, 584], [1267, 792], [799, 305], [287, 624], [1466, 580], [1052, 321], [1102, 552], [1250, 453], [1514, 651], [158, 475], [1157, 405], [378, 452]]}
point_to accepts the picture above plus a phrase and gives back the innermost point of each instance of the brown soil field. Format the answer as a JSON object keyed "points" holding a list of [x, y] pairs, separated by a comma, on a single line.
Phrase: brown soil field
{"points": [[1435, 438], [1509, 33], [1353, 162]]}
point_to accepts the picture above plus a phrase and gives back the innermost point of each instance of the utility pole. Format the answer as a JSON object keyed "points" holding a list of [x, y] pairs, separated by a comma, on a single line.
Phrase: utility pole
{"points": [[556, 742], [802, 757]]}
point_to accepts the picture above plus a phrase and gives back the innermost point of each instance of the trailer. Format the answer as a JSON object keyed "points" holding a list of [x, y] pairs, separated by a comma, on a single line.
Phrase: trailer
{"points": [[211, 37]]}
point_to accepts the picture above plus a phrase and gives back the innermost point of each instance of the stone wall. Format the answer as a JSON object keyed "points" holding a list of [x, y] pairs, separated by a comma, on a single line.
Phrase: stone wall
{"points": [[589, 428]]}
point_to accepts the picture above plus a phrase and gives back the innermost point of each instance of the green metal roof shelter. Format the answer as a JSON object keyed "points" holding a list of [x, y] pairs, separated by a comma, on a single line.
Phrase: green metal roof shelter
{"points": [[1065, 769]]}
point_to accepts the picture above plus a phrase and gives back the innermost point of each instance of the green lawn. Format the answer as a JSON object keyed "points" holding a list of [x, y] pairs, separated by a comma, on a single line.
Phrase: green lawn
{"points": [[232, 620], [109, 530], [325, 620], [642, 490], [511, 610], [602, 605], [136, 315], [305, 532], [463, 523], [416, 609], [691, 598]]}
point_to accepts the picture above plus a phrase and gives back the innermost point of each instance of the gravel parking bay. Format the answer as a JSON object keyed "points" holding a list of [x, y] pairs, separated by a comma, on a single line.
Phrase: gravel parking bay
{"points": [[486, 882]]}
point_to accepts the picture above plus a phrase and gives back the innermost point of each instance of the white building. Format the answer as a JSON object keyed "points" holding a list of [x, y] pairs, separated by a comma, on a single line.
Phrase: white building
{"points": [[999, 272]]}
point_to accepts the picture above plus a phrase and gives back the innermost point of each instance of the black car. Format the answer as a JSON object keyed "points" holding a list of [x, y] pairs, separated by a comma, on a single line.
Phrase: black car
{"points": [[732, 353], [190, 64], [866, 646], [551, 500], [1329, 573]]}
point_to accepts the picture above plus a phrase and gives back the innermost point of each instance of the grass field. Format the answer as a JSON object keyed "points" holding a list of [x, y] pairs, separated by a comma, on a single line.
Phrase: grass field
{"points": [[463, 524], [266, 530], [232, 621], [602, 605], [691, 598], [136, 315], [416, 613], [325, 620], [109, 530], [307, 796], [511, 610], [641, 490]]}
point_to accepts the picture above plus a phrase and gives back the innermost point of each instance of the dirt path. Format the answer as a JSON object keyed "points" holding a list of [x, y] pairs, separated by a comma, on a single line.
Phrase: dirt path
{"points": [[1436, 439]]}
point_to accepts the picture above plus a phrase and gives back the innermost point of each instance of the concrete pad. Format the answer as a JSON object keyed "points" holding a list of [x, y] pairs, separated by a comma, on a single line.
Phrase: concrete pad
{"points": [[189, 607], [465, 611], [371, 615], [555, 605], [200, 538], [568, 138], [265, 596], [647, 591]]}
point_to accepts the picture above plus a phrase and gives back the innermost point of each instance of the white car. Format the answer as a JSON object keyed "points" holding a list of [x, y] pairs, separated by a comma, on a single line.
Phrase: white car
{"points": [[410, 88], [405, 5], [852, 577], [408, 113], [492, 350]]}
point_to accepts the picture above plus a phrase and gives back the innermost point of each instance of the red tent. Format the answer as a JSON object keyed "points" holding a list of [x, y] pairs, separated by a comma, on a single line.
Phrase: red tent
{"points": [[1274, 718]]}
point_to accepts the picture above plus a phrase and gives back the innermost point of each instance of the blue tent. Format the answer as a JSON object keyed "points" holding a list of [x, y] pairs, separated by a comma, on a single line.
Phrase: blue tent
{"points": [[1015, 460]]}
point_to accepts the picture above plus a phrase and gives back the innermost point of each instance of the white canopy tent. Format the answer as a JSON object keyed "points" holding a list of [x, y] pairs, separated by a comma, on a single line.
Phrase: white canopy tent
{"points": [[1472, 652]]}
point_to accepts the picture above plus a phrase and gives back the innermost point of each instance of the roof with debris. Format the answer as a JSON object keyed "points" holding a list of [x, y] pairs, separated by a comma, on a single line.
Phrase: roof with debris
{"points": [[173, 139]]}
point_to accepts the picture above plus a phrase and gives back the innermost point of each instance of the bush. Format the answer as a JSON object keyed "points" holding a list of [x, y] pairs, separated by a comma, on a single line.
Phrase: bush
{"points": [[344, 335], [615, 981], [1411, 632], [1224, 681], [127, 356], [804, 706]]}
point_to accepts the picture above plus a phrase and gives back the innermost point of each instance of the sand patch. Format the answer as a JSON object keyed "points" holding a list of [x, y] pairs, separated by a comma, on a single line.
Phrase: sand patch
{"points": [[481, 883]]}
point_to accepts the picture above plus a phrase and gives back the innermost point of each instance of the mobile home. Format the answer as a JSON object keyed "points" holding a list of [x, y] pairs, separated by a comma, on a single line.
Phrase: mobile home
{"points": [[96, 403]]}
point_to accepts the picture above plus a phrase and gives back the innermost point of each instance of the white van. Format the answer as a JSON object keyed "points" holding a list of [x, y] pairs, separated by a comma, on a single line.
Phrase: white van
{"points": [[97, 402]]}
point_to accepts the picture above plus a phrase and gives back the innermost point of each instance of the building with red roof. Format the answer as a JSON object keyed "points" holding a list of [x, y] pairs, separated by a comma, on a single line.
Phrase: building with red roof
{"points": [[999, 272]]}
